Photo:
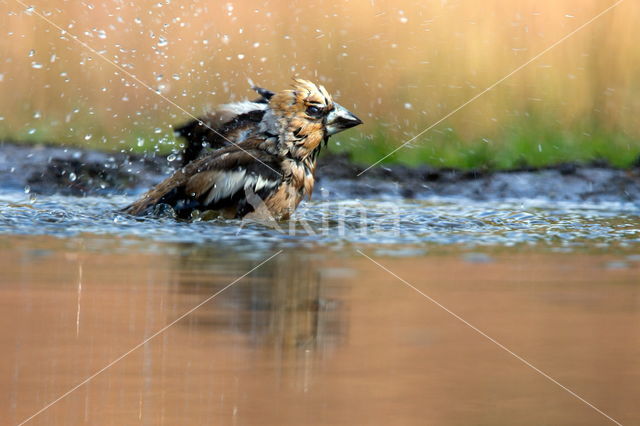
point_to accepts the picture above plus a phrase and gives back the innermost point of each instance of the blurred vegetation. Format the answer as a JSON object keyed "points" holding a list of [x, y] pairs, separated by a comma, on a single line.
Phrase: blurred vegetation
{"points": [[531, 141], [399, 66]]}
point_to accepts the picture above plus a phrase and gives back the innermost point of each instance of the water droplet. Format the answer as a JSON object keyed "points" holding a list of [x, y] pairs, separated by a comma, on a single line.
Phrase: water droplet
{"points": [[140, 142], [53, 57], [137, 21], [87, 137], [171, 157], [157, 130], [37, 114], [36, 65], [407, 105], [404, 19], [72, 177], [27, 189], [32, 53], [162, 42], [31, 131], [241, 56], [176, 77]]}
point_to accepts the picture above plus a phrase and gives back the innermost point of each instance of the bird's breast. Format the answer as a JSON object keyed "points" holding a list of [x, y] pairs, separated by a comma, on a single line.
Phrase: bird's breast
{"points": [[283, 202], [301, 175], [297, 184]]}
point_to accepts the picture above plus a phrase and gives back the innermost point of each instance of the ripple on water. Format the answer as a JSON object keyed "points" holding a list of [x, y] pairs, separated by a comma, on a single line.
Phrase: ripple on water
{"points": [[335, 223]]}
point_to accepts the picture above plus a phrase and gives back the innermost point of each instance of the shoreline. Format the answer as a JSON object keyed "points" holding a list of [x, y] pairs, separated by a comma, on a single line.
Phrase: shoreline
{"points": [[46, 169]]}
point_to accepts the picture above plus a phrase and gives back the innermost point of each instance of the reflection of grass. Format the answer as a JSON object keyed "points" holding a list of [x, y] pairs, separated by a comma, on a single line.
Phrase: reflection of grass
{"points": [[525, 142]]}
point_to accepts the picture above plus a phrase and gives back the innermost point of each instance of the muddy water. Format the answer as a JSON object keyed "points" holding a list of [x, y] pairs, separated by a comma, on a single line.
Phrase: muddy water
{"points": [[314, 336]]}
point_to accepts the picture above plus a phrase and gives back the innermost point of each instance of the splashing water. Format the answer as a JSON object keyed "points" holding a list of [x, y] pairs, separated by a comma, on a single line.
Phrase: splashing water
{"points": [[335, 223]]}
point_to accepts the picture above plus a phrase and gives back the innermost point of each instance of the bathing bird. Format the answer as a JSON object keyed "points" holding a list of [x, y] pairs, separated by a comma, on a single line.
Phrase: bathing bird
{"points": [[252, 157], [224, 126]]}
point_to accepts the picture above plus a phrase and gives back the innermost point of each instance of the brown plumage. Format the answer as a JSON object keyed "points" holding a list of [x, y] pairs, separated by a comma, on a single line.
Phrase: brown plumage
{"points": [[252, 156]]}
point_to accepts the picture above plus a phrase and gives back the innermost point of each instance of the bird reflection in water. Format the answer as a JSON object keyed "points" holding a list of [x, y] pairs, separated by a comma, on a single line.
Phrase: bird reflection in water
{"points": [[290, 309]]}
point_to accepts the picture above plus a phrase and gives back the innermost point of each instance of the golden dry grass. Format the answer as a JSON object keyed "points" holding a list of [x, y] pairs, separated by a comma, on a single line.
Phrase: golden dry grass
{"points": [[399, 65]]}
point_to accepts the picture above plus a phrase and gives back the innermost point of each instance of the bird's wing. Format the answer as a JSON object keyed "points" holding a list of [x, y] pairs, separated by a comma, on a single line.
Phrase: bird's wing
{"points": [[227, 125], [217, 181]]}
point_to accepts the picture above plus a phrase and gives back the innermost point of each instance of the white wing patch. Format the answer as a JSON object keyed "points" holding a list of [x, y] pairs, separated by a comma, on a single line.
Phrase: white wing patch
{"points": [[261, 182], [228, 183], [256, 183]]}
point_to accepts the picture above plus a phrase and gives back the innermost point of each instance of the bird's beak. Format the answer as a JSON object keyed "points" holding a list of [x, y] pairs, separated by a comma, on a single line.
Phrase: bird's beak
{"points": [[340, 119]]}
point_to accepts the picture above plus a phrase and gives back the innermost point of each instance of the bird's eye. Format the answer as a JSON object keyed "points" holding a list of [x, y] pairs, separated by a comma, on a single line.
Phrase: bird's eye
{"points": [[314, 111]]}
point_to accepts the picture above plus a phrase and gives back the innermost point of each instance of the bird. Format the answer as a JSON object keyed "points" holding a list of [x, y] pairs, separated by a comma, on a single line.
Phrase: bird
{"points": [[226, 125], [251, 158]]}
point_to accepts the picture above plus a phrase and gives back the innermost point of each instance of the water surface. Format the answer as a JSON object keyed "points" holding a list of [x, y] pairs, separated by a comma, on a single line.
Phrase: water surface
{"points": [[331, 221], [320, 334]]}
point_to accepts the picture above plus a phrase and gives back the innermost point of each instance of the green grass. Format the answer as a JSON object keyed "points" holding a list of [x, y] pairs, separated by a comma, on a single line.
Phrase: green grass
{"points": [[526, 141], [137, 140]]}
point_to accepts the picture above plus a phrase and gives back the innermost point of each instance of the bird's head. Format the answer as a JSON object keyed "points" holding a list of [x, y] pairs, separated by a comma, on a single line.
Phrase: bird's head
{"points": [[306, 115]]}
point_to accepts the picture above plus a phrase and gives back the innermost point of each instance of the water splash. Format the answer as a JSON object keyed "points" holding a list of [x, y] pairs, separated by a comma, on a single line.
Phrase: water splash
{"points": [[336, 223]]}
